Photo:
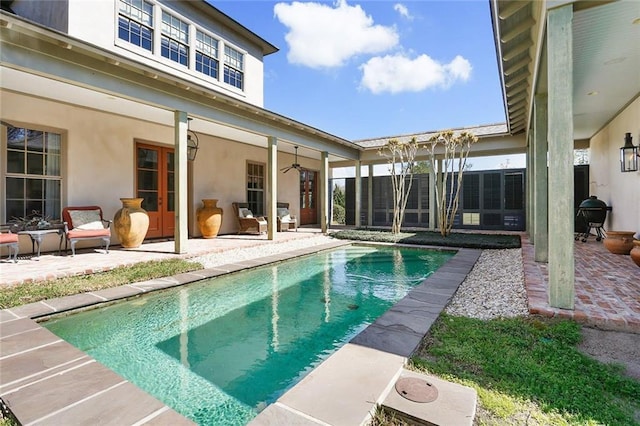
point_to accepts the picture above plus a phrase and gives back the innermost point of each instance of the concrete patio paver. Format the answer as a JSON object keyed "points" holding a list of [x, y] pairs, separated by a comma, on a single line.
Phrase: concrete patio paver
{"points": [[344, 389]]}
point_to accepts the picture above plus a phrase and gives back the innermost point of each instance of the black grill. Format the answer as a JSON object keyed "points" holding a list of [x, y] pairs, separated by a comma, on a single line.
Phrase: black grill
{"points": [[591, 215]]}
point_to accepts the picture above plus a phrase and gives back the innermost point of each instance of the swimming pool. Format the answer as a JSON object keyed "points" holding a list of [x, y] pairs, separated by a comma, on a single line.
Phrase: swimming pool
{"points": [[220, 350]]}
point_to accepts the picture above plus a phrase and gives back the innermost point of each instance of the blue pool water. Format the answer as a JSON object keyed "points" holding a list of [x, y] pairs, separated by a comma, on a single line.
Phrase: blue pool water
{"points": [[220, 350]]}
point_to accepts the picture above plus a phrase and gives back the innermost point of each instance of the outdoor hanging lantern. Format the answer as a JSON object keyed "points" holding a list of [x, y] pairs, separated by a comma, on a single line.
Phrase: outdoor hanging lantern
{"points": [[192, 142], [628, 155]]}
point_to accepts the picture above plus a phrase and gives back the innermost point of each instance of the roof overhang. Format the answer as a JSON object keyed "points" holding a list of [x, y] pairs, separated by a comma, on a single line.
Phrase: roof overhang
{"points": [[46, 63], [606, 59]]}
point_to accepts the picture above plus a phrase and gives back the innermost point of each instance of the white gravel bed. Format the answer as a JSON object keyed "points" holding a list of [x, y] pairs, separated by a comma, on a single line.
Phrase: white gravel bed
{"points": [[493, 289], [212, 260]]}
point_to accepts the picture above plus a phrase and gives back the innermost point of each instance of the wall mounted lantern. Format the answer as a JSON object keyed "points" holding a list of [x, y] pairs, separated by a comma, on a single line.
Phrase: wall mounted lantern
{"points": [[629, 155], [192, 142]]}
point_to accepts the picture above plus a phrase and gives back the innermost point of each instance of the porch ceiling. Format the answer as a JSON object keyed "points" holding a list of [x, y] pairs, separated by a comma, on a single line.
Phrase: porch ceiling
{"points": [[606, 60]]}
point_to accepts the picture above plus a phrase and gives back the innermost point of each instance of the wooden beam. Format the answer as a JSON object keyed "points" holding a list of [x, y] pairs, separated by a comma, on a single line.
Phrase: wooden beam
{"points": [[514, 32], [517, 50], [514, 100], [516, 80], [524, 62], [517, 109], [511, 9]]}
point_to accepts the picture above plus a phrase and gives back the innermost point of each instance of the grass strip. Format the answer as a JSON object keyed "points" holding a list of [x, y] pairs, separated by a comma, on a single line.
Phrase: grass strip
{"points": [[455, 239], [25, 293], [529, 371]]}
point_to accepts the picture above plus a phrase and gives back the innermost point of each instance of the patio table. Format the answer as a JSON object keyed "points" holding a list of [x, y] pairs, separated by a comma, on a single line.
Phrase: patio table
{"points": [[37, 235]]}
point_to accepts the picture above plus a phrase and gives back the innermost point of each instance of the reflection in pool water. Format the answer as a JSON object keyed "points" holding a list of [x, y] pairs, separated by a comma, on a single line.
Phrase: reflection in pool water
{"points": [[220, 350]]}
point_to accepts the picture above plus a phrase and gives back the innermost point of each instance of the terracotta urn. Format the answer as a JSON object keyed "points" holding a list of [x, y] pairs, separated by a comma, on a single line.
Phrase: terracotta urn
{"points": [[131, 222], [635, 252], [209, 217], [619, 242]]}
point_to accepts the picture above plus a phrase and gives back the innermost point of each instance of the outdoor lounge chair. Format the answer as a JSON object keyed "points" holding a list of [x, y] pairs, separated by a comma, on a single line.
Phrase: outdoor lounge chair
{"points": [[286, 220], [247, 223], [10, 240], [85, 223]]}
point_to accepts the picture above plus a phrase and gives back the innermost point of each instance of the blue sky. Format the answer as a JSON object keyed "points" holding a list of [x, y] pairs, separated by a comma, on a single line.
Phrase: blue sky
{"points": [[367, 69]]}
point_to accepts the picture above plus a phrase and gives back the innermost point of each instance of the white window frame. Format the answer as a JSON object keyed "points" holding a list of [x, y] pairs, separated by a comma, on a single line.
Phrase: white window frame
{"points": [[44, 176]]}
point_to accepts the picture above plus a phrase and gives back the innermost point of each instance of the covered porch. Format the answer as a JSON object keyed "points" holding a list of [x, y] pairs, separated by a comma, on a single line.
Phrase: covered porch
{"points": [[124, 131]]}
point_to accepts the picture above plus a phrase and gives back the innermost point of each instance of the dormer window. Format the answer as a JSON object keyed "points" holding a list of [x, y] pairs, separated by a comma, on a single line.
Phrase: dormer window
{"points": [[233, 67], [206, 54], [135, 23], [175, 39]]}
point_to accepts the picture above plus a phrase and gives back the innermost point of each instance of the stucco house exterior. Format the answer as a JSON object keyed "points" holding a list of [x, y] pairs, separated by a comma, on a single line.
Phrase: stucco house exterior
{"points": [[104, 98], [98, 109]]}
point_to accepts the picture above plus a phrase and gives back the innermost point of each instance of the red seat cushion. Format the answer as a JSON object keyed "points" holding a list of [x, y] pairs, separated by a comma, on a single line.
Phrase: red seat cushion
{"points": [[88, 233], [8, 238]]}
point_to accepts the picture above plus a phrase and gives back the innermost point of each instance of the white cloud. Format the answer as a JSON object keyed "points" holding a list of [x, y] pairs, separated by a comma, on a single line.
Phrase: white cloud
{"points": [[403, 11], [399, 73], [322, 36]]}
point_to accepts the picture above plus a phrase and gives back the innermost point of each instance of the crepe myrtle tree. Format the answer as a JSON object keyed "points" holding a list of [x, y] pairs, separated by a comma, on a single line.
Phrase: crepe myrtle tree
{"points": [[455, 148], [400, 156]]}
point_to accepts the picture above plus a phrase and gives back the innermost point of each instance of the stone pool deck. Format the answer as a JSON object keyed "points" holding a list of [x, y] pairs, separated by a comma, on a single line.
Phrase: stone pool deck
{"points": [[45, 380]]}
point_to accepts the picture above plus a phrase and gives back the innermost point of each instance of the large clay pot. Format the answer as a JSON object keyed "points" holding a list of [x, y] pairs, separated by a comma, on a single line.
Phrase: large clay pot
{"points": [[635, 252], [619, 242], [209, 218], [131, 222]]}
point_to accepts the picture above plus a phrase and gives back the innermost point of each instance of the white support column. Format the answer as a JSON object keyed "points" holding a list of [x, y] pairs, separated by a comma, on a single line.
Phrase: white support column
{"points": [[272, 187], [370, 197], [529, 223], [541, 181], [358, 194], [324, 192], [440, 186], [560, 140], [181, 234], [432, 197]]}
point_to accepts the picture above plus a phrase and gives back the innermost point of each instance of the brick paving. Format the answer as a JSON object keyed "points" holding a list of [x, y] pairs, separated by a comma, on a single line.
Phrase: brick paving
{"points": [[607, 287]]}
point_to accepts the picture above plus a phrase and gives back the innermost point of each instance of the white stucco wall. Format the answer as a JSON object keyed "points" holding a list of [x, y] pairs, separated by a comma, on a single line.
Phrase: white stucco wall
{"points": [[220, 173], [96, 22], [99, 156], [619, 190]]}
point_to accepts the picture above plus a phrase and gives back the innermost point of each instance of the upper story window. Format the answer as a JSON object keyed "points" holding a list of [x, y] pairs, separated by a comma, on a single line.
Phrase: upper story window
{"points": [[135, 23], [206, 54], [175, 39], [233, 67]]}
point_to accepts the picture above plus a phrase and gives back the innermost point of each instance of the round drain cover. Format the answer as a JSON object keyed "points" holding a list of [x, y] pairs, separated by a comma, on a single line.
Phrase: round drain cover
{"points": [[416, 390]]}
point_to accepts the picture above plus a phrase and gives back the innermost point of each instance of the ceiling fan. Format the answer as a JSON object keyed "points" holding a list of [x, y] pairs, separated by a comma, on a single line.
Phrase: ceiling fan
{"points": [[295, 164]]}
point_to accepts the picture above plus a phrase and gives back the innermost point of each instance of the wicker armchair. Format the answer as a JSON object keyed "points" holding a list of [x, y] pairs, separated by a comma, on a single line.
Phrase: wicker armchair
{"points": [[247, 223], [286, 220]]}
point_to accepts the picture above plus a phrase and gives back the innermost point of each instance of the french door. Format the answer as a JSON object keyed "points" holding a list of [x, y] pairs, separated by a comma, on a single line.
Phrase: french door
{"points": [[155, 183], [308, 196]]}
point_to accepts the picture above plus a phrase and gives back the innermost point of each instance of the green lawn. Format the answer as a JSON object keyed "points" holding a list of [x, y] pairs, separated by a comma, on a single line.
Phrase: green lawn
{"points": [[23, 294], [529, 371]]}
